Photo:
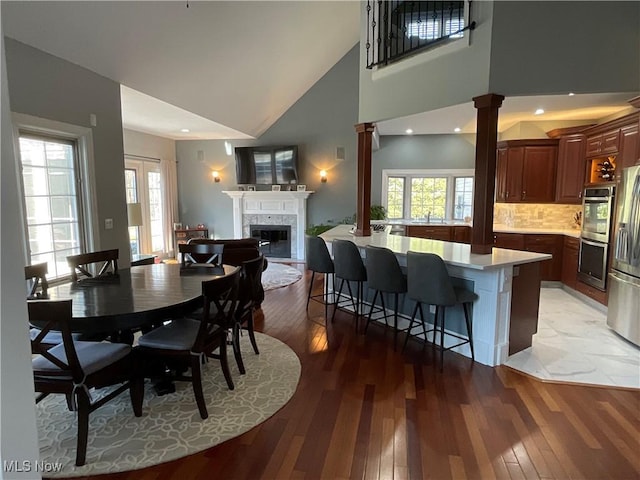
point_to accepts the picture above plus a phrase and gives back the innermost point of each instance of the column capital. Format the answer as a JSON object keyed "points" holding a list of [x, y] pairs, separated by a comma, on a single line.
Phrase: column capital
{"points": [[365, 127], [489, 100]]}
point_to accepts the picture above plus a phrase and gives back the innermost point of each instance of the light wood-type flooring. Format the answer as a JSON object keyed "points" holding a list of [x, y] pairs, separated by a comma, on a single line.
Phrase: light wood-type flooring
{"points": [[365, 411]]}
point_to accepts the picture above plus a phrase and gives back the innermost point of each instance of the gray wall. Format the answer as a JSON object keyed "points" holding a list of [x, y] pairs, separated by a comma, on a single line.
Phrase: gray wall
{"points": [[560, 47], [48, 87], [18, 436], [420, 151], [320, 121]]}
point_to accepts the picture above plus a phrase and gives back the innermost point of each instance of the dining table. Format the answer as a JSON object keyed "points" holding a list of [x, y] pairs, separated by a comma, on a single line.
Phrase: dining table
{"points": [[135, 297]]}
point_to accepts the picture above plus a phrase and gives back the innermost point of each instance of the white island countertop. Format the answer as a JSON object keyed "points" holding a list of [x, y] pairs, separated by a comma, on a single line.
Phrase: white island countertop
{"points": [[458, 254]]}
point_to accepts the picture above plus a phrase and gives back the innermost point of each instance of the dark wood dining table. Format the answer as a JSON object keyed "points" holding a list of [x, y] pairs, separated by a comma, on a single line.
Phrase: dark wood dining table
{"points": [[136, 296]]}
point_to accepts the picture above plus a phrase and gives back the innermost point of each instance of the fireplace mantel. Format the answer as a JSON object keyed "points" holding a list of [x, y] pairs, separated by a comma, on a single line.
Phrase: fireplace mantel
{"points": [[270, 203]]}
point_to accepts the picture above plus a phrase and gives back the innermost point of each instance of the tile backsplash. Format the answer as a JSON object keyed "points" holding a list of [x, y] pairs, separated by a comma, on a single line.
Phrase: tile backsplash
{"points": [[536, 215]]}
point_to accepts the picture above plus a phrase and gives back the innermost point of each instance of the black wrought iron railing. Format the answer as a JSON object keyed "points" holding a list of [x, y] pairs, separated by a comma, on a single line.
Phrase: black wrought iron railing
{"points": [[396, 29]]}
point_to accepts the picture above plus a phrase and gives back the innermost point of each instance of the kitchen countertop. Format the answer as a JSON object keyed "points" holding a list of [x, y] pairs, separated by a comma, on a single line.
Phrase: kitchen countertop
{"points": [[570, 232], [458, 254]]}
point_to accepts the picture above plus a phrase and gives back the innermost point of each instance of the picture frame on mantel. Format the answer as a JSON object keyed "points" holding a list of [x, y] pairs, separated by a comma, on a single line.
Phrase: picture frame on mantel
{"points": [[275, 188], [251, 188], [301, 188]]}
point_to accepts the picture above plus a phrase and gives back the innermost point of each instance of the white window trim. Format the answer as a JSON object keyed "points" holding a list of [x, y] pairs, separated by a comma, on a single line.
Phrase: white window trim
{"points": [[424, 172], [83, 136]]}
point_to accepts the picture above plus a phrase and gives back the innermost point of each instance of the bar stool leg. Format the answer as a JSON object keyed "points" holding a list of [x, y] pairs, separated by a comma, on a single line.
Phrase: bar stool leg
{"points": [[313, 274], [373, 303], [337, 298], [442, 339], [395, 320], [465, 307], [413, 316]]}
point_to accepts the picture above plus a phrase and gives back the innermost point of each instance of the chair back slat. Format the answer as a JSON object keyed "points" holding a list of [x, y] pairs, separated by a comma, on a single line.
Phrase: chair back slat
{"points": [[220, 297], [79, 264], [200, 254], [37, 274], [55, 315]]}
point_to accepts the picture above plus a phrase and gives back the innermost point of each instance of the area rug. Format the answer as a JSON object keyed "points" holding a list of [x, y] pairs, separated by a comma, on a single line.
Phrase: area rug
{"points": [[278, 275], [171, 426]]}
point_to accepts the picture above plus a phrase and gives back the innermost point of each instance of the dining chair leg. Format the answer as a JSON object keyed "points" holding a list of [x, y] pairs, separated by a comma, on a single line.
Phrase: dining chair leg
{"points": [[83, 405], [235, 342], [196, 382], [313, 274], [136, 393], [224, 363], [252, 335]]}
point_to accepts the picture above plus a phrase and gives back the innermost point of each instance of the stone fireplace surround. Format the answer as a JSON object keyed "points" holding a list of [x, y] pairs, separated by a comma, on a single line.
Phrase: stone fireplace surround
{"points": [[271, 208]]}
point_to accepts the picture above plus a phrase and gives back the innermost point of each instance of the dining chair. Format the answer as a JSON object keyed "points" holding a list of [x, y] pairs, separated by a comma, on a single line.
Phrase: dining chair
{"points": [[429, 283], [185, 342], [37, 276], [79, 264], [248, 299], [73, 368], [200, 254]]}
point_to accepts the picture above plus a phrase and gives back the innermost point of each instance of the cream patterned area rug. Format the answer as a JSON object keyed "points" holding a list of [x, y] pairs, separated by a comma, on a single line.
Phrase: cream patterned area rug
{"points": [[279, 275], [170, 426]]}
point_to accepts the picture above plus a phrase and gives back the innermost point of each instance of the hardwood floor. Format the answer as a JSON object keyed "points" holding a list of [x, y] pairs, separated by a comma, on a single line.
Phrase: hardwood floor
{"points": [[365, 411]]}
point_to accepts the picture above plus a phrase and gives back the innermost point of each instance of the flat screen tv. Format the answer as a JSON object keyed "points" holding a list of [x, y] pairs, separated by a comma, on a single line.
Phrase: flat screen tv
{"points": [[267, 165]]}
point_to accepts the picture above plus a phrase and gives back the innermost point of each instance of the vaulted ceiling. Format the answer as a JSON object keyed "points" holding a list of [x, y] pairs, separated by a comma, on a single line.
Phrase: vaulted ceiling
{"points": [[228, 69]]}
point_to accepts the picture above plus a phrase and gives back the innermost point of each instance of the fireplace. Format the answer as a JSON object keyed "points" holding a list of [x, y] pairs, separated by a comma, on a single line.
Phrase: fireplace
{"points": [[274, 240], [275, 210]]}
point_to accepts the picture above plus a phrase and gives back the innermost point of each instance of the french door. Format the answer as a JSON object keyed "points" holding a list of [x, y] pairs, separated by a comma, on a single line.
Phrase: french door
{"points": [[143, 182]]}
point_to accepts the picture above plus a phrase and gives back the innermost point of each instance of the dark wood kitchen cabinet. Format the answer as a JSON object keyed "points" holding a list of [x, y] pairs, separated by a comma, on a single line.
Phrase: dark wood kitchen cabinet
{"points": [[526, 171], [603, 143], [461, 234], [512, 241], [570, 255], [438, 232], [629, 154], [550, 270], [571, 169]]}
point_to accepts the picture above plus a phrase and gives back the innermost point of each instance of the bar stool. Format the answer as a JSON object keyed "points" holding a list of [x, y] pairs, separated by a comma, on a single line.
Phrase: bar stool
{"points": [[385, 276], [349, 267], [430, 283], [319, 261]]}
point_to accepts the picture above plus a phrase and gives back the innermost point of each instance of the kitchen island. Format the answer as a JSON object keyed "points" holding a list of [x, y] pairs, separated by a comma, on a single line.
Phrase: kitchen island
{"points": [[507, 283]]}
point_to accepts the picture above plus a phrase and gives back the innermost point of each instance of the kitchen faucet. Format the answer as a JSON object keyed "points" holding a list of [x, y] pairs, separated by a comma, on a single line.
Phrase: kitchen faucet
{"points": [[429, 216]]}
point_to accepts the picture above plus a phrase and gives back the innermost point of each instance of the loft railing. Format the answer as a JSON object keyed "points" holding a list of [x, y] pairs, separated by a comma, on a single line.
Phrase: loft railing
{"points": [[397, 29]]}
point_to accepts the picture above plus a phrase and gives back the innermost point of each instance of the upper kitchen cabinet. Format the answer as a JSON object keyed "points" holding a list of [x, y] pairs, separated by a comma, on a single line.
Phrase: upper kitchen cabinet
{"points": [[526, 171], [613, 143], [571, 169]]}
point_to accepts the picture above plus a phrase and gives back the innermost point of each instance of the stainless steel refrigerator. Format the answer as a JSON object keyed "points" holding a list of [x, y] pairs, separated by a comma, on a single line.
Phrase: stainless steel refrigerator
{"points": [[624, 279]]}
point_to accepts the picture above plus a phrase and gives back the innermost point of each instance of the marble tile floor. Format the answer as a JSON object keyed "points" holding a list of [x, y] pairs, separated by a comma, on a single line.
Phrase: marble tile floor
{"points": [[574, 345]]}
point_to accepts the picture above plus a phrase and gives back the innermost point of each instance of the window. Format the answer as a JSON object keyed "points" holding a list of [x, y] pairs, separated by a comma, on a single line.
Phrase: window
{"points": [[441, 194], [144, 184], [52, 202]]}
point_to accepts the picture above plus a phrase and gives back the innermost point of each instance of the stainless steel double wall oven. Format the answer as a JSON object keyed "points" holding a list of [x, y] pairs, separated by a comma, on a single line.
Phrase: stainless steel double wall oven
{"points": [[597, 210]]}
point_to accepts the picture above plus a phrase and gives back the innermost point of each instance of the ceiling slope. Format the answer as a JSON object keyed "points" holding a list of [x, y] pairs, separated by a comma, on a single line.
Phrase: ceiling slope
{"points": [[238, 64]]}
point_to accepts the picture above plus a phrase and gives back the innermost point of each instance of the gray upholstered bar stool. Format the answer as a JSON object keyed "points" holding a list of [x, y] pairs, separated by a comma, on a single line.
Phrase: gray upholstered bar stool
{"points": [[430, 283], [349, 267], [319, 261], [384, 276]]}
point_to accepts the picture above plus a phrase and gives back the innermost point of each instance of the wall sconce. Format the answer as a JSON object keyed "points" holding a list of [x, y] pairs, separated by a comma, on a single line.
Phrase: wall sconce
{"points": [[216, 176], [323, 176]]}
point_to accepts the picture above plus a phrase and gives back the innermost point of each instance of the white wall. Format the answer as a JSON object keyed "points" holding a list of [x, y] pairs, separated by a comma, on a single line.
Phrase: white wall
{"points": [[18, 439], [146, 145]]}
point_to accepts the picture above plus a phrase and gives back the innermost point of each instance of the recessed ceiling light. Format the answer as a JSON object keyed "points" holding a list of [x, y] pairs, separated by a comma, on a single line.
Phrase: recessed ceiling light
{"points": [[184, 130], [409, 131], [457, 129], [571, 94], [539, 111]]}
